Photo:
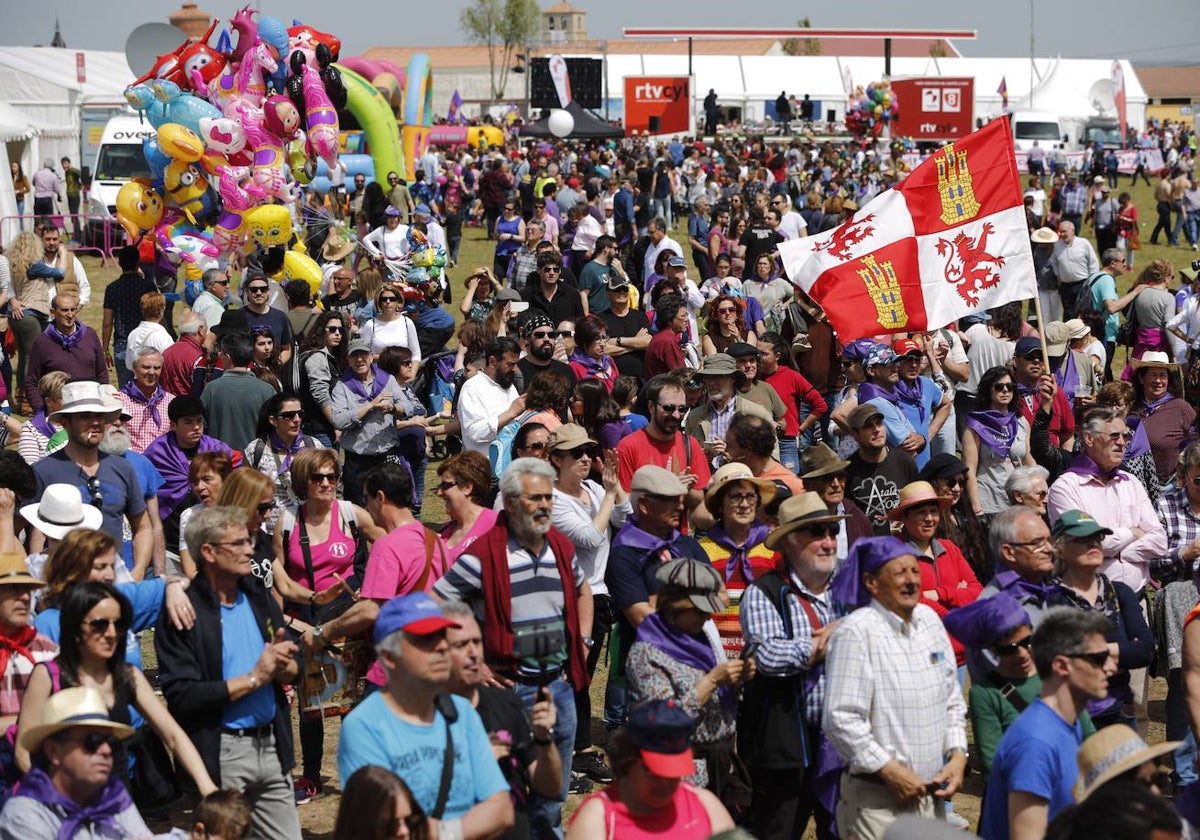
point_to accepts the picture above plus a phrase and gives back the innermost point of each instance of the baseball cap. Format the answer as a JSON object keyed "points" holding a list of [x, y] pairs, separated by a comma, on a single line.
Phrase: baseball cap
{"points": [[907, 347], [881, 354], [1076, 523], [358, 345], [616, 282], [416, 613], [662, 733], [677, 262], [1027, 346], [862, 415]]}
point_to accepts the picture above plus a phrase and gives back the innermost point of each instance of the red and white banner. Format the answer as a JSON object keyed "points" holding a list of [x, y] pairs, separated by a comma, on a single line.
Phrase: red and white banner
{"points": [[935, 108], [658, 104], [950, 241], [1118, 89]]}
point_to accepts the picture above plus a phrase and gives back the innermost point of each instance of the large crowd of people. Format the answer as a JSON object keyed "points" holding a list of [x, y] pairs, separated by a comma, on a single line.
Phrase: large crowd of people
{"points": [[805, 562]]}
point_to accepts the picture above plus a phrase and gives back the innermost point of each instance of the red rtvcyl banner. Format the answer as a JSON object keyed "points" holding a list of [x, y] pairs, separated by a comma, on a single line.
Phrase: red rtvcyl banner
{"points": [[658, 104], [934, 108]]}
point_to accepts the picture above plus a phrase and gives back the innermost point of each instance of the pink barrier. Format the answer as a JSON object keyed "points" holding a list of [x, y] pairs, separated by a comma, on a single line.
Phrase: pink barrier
{"points": [[102, 234]]}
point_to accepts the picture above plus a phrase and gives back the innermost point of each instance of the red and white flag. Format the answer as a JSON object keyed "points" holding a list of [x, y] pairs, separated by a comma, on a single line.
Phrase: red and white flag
{"points": [[948, 242]]}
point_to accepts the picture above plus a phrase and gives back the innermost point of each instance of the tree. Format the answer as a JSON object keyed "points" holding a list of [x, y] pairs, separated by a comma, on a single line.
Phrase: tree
{"points": [[502, 26], [807, 46]]}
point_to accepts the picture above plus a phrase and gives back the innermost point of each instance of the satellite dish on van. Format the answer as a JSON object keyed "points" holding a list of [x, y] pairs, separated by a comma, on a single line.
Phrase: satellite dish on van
{"points": [[1101, 97], [150, 40]]}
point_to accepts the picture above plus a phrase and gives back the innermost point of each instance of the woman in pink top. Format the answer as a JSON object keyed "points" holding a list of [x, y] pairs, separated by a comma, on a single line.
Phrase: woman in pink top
{"points": [[465, 480], [648, 800]]}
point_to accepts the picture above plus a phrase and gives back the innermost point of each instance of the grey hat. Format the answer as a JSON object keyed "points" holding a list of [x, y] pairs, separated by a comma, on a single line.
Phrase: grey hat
{"points": [[677, 262], [657, 481], [509, 295], [699, 580], [358, 345]]}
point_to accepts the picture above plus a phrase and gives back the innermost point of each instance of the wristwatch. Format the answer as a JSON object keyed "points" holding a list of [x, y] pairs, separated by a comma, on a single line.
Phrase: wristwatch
{"points": [[318, 632], [547, 741]]}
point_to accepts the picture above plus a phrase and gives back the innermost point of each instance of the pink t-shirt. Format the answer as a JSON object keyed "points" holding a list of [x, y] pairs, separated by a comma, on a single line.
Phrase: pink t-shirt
{"points": [[394, 568], [334, 556], [684, 817], [487, 518]]}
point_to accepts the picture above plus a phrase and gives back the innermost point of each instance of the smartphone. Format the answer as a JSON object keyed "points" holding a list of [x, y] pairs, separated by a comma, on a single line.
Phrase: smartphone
{"points": [[749, 650]]}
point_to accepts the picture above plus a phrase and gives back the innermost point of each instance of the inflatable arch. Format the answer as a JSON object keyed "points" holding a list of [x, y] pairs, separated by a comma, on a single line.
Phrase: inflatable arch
{"points": [[375, 90]]}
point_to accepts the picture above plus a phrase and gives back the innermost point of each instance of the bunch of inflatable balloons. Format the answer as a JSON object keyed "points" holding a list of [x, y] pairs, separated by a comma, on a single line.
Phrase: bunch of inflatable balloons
{"points": [[237, 127], [871, 109]]}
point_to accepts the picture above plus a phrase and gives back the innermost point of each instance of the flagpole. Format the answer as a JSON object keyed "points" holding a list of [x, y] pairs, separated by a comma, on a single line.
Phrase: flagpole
{"points": [[1037, 309]]}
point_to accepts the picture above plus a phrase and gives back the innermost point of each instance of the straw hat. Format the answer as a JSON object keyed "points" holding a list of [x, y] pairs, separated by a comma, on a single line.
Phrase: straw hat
{"points": [[728, 475], [60, 511], [79, 706], [1109, 753], [568, 436], [799, 512], [337, 246], [85, 397], [917, 493], [14, 572], [1154, 359]]}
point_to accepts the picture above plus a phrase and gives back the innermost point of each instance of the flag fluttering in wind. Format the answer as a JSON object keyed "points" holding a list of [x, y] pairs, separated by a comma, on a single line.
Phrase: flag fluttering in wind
{"points": [[948, 242], [1003, 91], [455, 104]]}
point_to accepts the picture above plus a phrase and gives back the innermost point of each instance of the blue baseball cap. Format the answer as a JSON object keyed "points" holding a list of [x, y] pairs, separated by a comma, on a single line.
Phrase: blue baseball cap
{"points": [[677, 262], [662, 733], [416, 613], [422, 210], [881, 354], [1027, 346]]}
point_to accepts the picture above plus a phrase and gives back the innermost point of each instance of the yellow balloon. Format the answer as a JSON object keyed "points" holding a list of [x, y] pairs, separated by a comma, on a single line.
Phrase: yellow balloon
{"points": [[269, 224], [139, 207]]}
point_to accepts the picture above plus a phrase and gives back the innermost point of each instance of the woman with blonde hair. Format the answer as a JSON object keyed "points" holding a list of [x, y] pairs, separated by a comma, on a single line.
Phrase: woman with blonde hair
{"points": [[206, 473], [38, 429], [369, 281]]}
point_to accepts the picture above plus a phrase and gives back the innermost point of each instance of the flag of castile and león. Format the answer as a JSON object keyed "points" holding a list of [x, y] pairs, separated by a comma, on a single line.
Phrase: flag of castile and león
{"points": [[950, 241]]}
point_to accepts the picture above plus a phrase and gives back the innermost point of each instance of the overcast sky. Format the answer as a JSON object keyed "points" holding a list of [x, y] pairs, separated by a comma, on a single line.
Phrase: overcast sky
{"points": [[1151, 31]]}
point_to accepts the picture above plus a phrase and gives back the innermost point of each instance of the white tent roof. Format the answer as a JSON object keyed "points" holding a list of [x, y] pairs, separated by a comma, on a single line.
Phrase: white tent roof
{"points": [[41, 83], [14, 125]]}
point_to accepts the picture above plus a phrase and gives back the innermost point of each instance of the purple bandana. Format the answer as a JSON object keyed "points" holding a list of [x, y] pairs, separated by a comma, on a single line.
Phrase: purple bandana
{"points": [[868, 391], [67, 341], [997, 430], [378, 383], [132, 390], [913, 394], [739, 555], [598, 369], [39, 422], [1067, 377], [102, 812], [277, 445], [1084, 465], [693, 651]]}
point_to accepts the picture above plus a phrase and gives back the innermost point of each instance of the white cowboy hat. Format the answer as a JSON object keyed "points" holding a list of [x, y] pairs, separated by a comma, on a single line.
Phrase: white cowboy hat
{"points": [[86, 397], [61, 511], [1154, 359], [79, 706]]}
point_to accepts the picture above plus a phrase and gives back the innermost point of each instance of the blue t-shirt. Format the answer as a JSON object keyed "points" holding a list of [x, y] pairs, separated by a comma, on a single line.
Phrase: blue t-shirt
{"points": [[1036, 756], [120, 490], [241, 647], [1105, 288], [897, 424], [931, 396], [374, 734]]}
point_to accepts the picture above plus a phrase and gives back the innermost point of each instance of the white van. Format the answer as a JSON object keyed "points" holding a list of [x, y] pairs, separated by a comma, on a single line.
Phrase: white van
{"points": [[119, 159], [1041, 126]]}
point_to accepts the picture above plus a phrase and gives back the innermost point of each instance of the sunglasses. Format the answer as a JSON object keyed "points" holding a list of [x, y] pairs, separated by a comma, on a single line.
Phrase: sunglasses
{"points": [[254, 289], [264, 508], [961, 481], [388, 299], [93, 486], [822, 530], [100, 626], [92, 741], [446, 485], [672, 409], [334, 329], [553, 269], [1113, 437], [727, 310], [537, 446], [1010, 649], [1095, 658], [322, 478], [580, 451], [294, 414], [1003, 386], [262, 329]]}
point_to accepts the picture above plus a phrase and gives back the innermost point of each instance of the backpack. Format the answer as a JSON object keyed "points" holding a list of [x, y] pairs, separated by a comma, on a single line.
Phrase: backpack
{"points": [[292, 376], [1088, 300], [500, 449]]}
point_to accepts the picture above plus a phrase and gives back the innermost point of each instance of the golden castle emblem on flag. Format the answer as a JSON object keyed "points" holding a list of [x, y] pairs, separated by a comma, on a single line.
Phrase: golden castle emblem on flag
{"points": [[884, 288], [955, 186]]}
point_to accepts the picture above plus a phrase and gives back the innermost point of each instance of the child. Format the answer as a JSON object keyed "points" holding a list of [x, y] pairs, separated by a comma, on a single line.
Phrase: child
{"points": [[222, 815], [624, 392]]}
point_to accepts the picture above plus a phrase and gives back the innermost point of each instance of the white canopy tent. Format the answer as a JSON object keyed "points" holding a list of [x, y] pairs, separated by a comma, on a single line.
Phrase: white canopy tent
{"points": [[42, 84], [15, 133]]}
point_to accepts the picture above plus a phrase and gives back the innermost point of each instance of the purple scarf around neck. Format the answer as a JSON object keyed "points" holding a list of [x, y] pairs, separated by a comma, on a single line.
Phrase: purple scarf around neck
{"points": [[693, 651], [277, 445], [173, 463], [599, 369], [1144, 409], [102, 811], [739, 556], [67, 341], [634, 537], [1084, 465], [42, 424], [913, 394], [135, 393], [997, 430], [1140, 444], [358, 388], [868, 391]]}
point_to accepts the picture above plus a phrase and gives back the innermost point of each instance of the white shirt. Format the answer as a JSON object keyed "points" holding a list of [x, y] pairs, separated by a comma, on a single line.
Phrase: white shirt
{"points": [[586, 233], [574, 519], [891, 691], [1076, 262], [480, 404], [1039, 200], [401, 332], [792, 225], [146, 334], [382, 242]]}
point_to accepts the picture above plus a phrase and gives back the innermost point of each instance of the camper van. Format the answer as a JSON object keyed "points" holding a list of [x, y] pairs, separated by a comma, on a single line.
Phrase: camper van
{"points": [[1041, 126], [118, 160]]}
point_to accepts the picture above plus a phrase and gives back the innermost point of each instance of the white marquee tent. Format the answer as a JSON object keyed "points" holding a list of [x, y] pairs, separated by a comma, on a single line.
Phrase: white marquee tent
{"points": [[15, 133]]}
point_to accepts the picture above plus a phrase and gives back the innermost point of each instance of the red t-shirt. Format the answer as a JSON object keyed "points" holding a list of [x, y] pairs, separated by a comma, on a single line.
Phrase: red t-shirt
{"points": [[794, 389], [638, 449], [663, 353], [1062, 418]]}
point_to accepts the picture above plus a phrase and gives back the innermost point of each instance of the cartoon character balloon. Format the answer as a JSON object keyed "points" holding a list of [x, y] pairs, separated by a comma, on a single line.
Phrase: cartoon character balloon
{"points": [[139, 207]]}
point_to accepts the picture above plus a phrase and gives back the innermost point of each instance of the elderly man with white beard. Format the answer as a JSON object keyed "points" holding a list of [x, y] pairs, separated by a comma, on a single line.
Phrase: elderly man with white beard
{"points": [[118, 441]]}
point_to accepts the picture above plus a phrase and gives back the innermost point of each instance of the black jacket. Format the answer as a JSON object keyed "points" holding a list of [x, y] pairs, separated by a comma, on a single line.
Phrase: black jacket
{"points": [[192, 678]]}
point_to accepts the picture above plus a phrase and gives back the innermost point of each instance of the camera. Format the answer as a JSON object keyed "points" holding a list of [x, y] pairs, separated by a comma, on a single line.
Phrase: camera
{"points": [[1195, 265]]}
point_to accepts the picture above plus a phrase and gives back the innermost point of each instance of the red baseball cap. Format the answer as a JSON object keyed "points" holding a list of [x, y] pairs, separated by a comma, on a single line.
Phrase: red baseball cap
{"points": [[906, 347]]}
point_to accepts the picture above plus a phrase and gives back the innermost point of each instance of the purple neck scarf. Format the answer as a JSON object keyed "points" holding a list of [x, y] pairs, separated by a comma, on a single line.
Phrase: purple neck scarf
{"points": [[67, 341], [1140, 444], [172, 464], [997, 430], [739, 555], [1084, 465], [1145, 409], [102, 811], [913, 394], [634, 537], [132, 390], [1024, 590], [39, 422], [1067, 377], [868, 391], [693, 651], [277, 445], [598, 369], [356, 385]]}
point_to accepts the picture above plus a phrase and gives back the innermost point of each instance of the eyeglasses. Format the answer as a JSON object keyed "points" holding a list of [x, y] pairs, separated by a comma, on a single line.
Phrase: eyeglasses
{"points": [[1114, 437], [322, 478], [332, 328], [1095, 658], [255, 289], [1040, 544], [265, 507], [672, 409], [93, 486], [579, 452], [446, 485], [100, 626], [727, 310], [536, 446], [294, 414], [244, 541], [742, 498], [821, 530], [1010, 649]]}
